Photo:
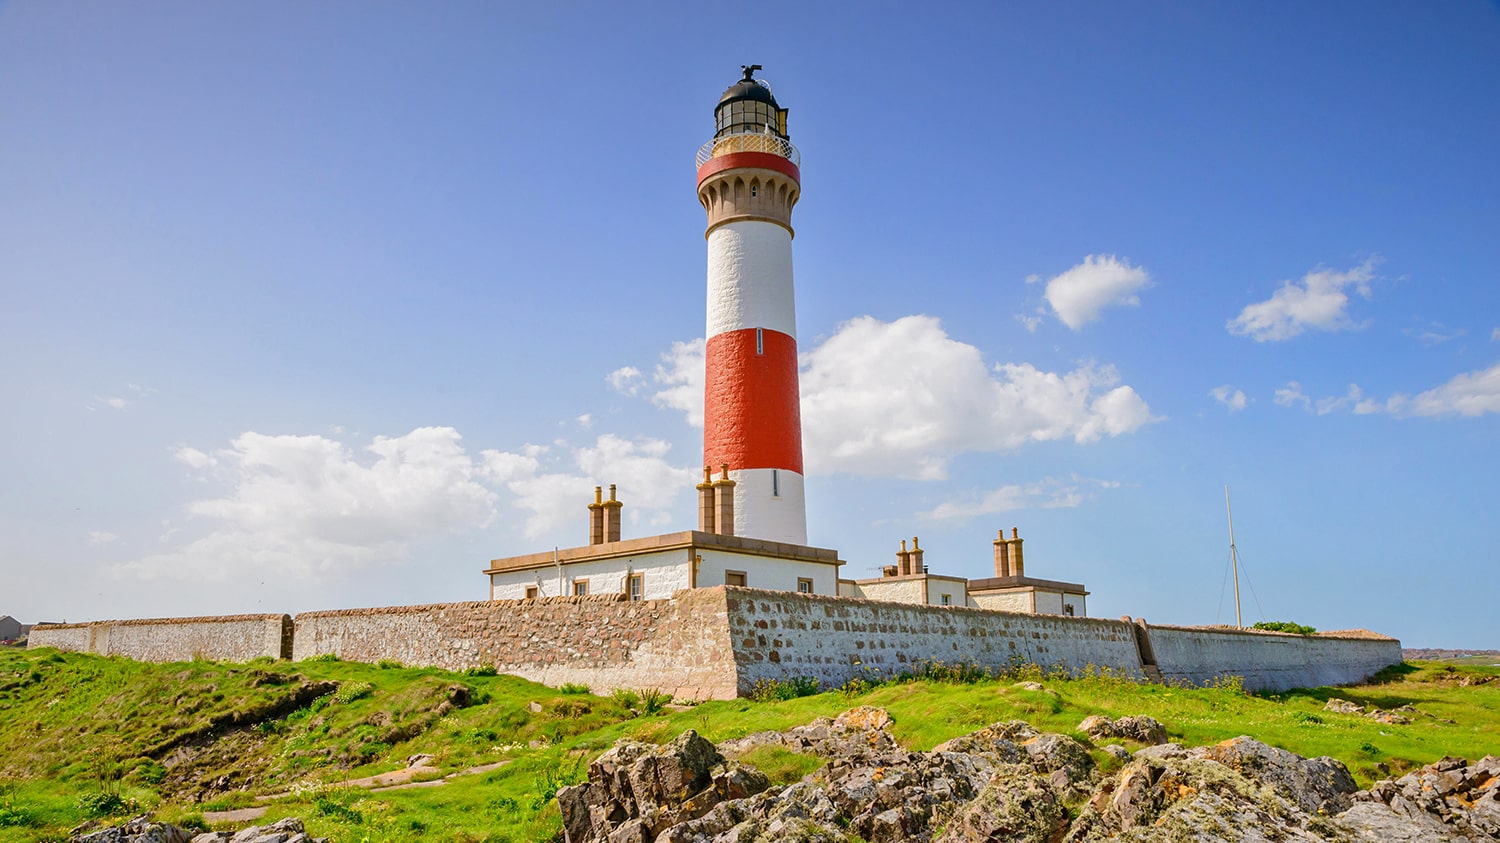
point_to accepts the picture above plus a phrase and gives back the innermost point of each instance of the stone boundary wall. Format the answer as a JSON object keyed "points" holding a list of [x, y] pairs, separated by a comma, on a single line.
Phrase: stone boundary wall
{"points": [[782, 634], [234, 638], [1269, 661], [717, 643], [680, 646]]}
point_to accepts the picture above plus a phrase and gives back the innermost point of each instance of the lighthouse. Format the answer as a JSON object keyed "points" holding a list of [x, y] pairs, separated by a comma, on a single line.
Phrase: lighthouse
{"points": [[748, 182]]}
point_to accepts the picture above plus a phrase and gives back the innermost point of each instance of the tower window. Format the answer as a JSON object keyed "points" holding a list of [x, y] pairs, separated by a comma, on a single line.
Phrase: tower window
{"points": [[775, 483], [754, 190], [760, 341]]}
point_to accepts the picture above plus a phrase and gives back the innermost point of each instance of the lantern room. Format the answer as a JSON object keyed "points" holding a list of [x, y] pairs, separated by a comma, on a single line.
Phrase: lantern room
{"points": [[749, 107]]}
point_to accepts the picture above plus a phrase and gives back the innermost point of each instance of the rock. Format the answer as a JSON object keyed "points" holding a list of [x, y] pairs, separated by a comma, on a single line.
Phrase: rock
{"points": [[1030, 686], [1066, 760], [418, 760], [534, 707], [1119, 752], [864, 717], [636, 791], [1016, 805], [1138, 728], [1375, 822], [140, 829], [1316, 784], [1339, 706]]}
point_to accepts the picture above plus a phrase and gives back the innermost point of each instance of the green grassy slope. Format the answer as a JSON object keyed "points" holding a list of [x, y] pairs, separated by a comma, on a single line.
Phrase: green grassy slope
{"points": [[83, 735]]}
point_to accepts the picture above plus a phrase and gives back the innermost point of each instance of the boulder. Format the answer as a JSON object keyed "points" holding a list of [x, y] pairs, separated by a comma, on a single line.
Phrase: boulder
{"points": [[1316, 784], [1015, 805]]}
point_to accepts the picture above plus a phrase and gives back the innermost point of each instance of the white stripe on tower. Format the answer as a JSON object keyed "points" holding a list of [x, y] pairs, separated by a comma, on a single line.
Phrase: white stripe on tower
{"points": [[748, 181]]}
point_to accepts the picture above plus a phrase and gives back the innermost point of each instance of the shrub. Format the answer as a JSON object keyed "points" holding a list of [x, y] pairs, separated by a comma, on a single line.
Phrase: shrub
{"points": [[100, 803], [1285, 626], [769, 690], [351, 691], [654, 700], [13, 817], [323, 657], [954, 673], [573, 688], [389, 664], [625, 697], [481, 670]]}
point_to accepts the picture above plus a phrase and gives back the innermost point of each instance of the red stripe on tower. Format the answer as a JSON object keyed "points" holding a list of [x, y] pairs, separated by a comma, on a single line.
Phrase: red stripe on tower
{"points": [[749, 179]]}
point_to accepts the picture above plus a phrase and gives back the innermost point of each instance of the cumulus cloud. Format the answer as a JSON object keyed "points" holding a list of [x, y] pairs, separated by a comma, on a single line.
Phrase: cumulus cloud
{"points": [[1495, 335], [1230, 397], [626, 380], [1080, 294], [1320, 300], [680, 374], [902, 398], [1469, 394], [309, 506], [1048, 494], [649, 483]]}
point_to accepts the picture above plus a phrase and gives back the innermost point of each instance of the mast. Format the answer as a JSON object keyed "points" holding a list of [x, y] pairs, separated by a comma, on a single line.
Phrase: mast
{"points": [[1234, 560]]}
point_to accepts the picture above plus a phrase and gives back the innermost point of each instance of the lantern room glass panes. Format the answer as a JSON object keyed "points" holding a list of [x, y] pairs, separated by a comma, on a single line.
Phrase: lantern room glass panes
{"points": [[746, 117]]}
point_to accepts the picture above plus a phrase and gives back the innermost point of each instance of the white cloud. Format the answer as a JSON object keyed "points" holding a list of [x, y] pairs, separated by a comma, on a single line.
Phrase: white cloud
{"points": [[626, 380], [1048, 494], [1495, 335], [649, 484], [1292, 396], [1435, 333], [585, 421], [193, 458], [98, 537], [1320, 301], [1471, 394], [1030, 323], [681, 373], [1078, 295], [902, 398], [1230, 397], [307, 506]]}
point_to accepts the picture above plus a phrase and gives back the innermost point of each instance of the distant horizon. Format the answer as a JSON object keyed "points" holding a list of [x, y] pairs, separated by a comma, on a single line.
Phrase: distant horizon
{"points": [[321, 306]]}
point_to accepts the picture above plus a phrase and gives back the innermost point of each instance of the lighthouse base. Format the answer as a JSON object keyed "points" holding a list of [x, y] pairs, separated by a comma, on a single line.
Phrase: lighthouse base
{"points": [[769, 505]]}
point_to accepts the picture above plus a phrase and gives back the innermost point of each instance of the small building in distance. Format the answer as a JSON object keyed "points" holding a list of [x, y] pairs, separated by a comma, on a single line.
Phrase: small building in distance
{"points": [[12, 629], [1010, 590]]}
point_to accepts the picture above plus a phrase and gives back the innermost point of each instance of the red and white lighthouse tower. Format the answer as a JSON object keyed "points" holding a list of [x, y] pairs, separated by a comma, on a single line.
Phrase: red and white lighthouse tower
{"points": [[748, 182]]}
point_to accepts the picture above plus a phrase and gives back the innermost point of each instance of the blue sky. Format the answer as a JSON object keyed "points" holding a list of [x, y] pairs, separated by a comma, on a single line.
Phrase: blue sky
{"points": [[324, 305]]}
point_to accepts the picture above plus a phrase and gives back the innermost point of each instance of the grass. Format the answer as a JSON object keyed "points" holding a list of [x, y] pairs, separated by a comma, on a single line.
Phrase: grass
{"points": [[159, 737]]}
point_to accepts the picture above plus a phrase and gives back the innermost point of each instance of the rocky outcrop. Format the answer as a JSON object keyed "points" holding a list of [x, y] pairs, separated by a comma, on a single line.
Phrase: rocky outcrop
{"points": [[142, 829], [1008, 781], [1140, 729]]}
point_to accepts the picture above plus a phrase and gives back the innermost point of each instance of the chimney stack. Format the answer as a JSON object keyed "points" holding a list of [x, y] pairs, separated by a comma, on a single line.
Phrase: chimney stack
{"points": [[612, 516], [903, 560], [724, 503], [706, 502], [1002, 555], [917, 565], [596, 517], [1017, 565]]}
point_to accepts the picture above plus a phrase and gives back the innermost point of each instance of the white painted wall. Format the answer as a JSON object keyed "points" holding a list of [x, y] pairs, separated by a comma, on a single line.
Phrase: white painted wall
{"points": [[1019, 601], [1048, 603], [760, 572], [758, 514], [956, 589], [750, 278], [665, 572], [1078, 602], [891, 590]]}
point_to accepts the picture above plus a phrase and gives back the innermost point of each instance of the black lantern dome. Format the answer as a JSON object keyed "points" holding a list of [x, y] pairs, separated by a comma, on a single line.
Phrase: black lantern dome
{"points": [[749, 107]]}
